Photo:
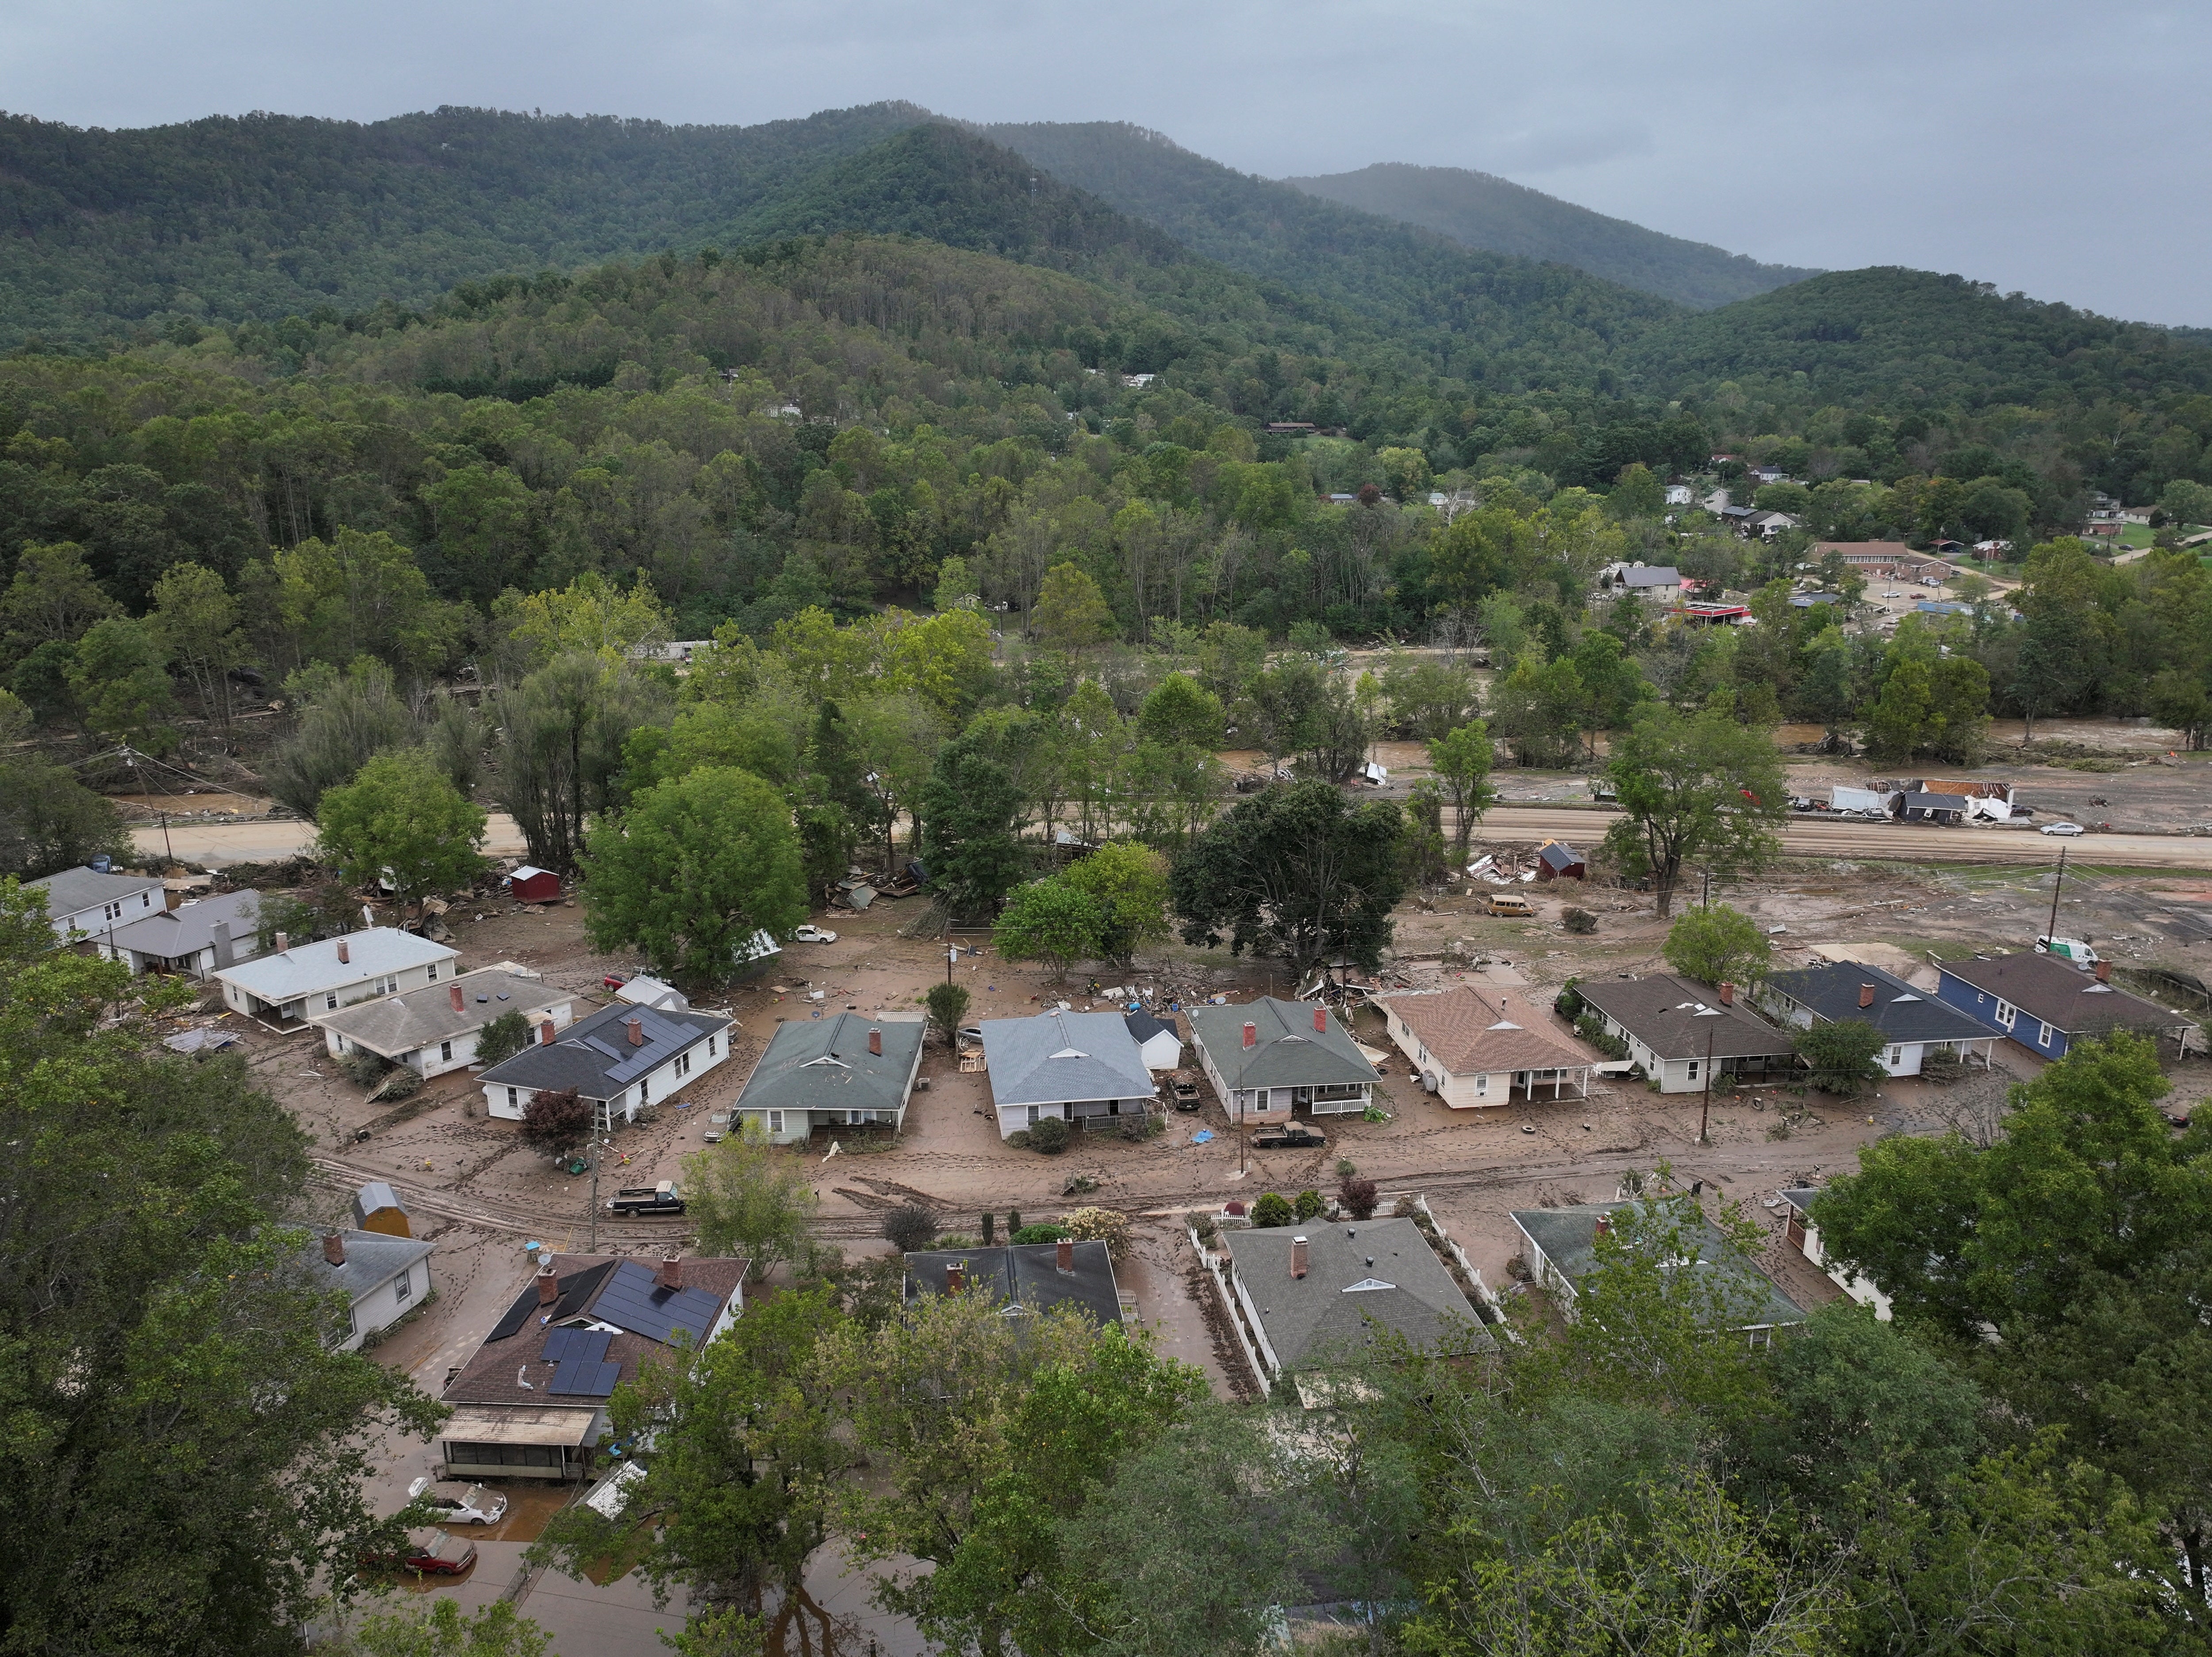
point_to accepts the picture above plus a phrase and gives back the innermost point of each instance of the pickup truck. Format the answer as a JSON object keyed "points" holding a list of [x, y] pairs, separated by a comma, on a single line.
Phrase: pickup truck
{"points": [[1296, 1136], [655, 1199]]}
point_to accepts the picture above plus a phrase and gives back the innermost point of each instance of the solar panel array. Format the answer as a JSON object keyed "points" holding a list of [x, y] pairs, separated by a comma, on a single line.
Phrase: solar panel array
{"points": [[581, 1355], [562, 1344], [664, 1038], [632, 1301]]}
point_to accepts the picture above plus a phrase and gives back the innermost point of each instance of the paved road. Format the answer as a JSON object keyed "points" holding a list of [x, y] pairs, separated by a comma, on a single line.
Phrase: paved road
{"points": [[218, 845]]}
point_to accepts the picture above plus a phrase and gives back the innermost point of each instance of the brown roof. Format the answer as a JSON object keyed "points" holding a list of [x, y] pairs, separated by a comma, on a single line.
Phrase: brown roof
{"points": [[1675, 1017], [1467, 1030], [2061, 995]]}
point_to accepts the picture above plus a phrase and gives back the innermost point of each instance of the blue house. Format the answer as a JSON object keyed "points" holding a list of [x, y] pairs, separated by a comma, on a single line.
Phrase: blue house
{"points": [[2046, 1004], [1844, 991]]}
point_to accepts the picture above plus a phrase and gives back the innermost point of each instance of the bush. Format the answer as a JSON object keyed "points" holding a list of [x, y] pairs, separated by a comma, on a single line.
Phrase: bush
{"points": [[1308, 1204], [362, 1069], [402, 1081], [948, 1005], [505, 1036], [1592, 1030], [1050, 1135], [1357, 1197], [910, 1228], [556, 1121], [1042, 1232], [1569, 1004], [1345, 1168], [1580, 922], [1020, 1139], [1272, 1210], [1842, 1056], [1106, 1225]]}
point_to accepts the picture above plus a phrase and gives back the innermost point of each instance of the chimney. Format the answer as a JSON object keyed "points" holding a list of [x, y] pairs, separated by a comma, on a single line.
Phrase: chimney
{"points": [[636, 1028], [226, 951], [1251, 1036], [876, 1042], [283, 942], [1728, 995], [545, 1033], [345, 955], [334, 1248], [671, 1274], [1321, 1021], [1604, 1223], [1866, 995], [1063, 1257], [549, 1286], [956, 1276], [454, 994], [1297, 1257], [2103, 972]]}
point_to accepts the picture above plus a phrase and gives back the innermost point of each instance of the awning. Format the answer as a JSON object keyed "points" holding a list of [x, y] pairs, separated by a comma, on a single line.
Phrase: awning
{"points": [[523, 1424]]}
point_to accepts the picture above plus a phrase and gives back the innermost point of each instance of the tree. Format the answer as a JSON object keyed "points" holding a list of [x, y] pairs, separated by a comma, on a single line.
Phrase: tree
{"points": [[1357, 1196], [1130, 884], [562, 736], [1701, 789], [49, 821], [502, 1038], [911, 1228], [693, 869], [401, 817], [441, 1629], [556, 1122], [346, 719], [750, 1199], [973, 811], [1638, 493], [121, 682], [1181, 711], [1429, 700], [1052, 921], [1273, 1210], [362, 593], [1462, 761], [195, 619], [1299, 873], [1071, 613], [948, 1005], [1717, 944], [53, 599], [1842, 1056], [1286, 701]]}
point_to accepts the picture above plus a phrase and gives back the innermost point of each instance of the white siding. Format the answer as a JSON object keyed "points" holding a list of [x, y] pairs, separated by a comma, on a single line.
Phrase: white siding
{"points": [[384, 1305]]}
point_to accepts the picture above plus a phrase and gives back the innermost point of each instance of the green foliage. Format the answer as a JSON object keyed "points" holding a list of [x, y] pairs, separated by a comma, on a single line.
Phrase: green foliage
{"points": [[1579, 921], [1040, 1234], [401, 818], [1052, 922], [1703, 790], [910, 1227], [1273, 1210], [1071, 612], [442, 1629], [1050, 1135], [1129, 884], [751, 1199], [49, 821], [346, 719], [121, 681], [1841, 1056], [972, 811], [1308, 1204], [1717, 944], [948, 1005], [502, 1038]]}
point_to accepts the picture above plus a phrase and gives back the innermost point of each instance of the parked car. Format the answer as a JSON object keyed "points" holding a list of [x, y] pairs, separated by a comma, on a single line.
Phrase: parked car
{"points": [[613, 982], [461, 1504], [811, 933], [1295, 1137], [1513, 904], [2069, 829], [1182, 1086], [432, 1551], [654, 1200]]}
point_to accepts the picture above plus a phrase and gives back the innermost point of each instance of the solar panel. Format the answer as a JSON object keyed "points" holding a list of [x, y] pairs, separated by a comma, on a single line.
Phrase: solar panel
{"points": [[557, 1344], [570, 1345], [586, 1378], [632, 1302]]}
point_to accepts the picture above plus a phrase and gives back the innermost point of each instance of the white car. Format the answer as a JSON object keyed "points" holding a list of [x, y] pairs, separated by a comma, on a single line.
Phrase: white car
{"points": [[810, 933], [2061, 828], [459, 1503]]}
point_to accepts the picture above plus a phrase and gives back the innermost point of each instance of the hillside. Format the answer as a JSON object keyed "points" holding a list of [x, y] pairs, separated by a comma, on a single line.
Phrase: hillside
{"points": [[1495, 214]]}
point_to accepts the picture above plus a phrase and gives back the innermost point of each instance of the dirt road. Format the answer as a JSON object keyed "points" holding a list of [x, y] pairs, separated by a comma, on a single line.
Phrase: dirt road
{"points": [[220, 845]]}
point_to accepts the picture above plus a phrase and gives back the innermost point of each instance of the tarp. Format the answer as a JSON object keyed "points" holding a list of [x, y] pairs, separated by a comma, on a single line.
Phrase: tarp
{"points": [[200, 1041], [1841, 798]]}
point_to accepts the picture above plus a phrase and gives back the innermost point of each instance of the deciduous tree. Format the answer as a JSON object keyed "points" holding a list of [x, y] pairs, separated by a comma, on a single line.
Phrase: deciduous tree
{"points": [[1698, 790], [401, 818]]}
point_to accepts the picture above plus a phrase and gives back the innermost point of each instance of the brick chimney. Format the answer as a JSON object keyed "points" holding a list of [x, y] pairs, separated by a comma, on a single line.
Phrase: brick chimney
{"points": [[1728, 995], [1251, 1036], [454, 994], [956, 1276], [334, 1248], [548, 1285], [1604, 1223], [283, 942], [1298, 1254], [1063, 1257], [2103, 972], [345, 955], [545, 1033], [671, 1274], [1866, 995], [636, 1028], [876, 1042], [1321, 1021]]}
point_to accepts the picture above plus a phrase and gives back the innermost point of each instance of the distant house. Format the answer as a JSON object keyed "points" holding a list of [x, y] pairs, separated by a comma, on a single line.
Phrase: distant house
{"points": [[621, 1059], [1679, 494], [1915, 1025], [1025, 1277], [1948, 809], [295, 981], [1560, 1246], [1716, 502], [1479, 1048], [1805, 1237], [1889, 560], [1557, 860], [1769, 474], [197, 937], [647, 991], [1318, 1294], [1158, 1039], [531, 885], [1768, 524], [1077, 1066], [434, 1029], [2046, 1004], [1661, 582], [82, 902], [384, 1278], [1270, 1057], [1674, 1027], [846, 1071]]}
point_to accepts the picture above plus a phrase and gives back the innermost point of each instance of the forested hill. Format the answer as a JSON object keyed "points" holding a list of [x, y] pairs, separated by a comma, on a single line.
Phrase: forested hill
{"points": [[1480, 210]]}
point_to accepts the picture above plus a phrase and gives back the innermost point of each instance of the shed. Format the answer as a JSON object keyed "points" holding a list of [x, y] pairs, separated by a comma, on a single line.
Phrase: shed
{"points": [[1557, 860], [377, 1207], [1158, 1039], [534, 885]]}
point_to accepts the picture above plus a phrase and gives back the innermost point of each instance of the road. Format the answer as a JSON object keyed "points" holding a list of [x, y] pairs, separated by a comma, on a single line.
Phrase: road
{"points": [[220, 845]]}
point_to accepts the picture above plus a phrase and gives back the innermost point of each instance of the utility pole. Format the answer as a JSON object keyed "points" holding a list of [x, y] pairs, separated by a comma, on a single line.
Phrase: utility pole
{"points": [[1706, 899], [592, 1223], [952, 955], [1705, 1110], [2051, 930], [172, 850]]}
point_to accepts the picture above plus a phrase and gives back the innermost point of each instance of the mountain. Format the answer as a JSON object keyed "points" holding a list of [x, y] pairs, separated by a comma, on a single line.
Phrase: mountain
{"points": [[1480, 210]]}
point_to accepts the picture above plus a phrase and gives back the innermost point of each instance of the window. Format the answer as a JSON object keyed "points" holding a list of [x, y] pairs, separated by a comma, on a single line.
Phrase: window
{"points": [[710, 1047], [1033, 1115], [512, 1102], [330, 1001], [1896, 1057], [2006, 1013], [1482, 1084], [145, 900], [776, 1121], [446, 1051], [1694, 1070], [434, 972], [2042, 1036], [403, 1286]]}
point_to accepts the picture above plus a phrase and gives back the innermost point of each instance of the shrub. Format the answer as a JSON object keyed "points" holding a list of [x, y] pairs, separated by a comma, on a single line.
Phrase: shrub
{"points": [[948, 1005], [1593, 1030], [1580, 922], [404, 1082], [990, 1228], [953, 1241], [1050, 1135], [1569, 1004], [1345, 1168], [1308, 1204], [1358, 1197], [505, 1036], [1013, 1221], [556, 1121], [1042, 1232], [1842, 1055], [910, 1228], [1020, 1139], [1106, 1225], [362, 1069], [1272, 1210]]}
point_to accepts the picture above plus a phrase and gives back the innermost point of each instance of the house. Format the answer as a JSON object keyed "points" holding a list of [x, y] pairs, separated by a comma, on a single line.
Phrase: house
{"points": [[1270, 1057], [1318, 1293], [1805, 1237], [1916, 1025], [1557, 860], [1992, 549], [1949, 810], [1158, 1039], [293, 983], [1679, 494], [1716, 502], [1768, 524], [199, 936], [645, 991], [2046, 1004], [528, 885], [434, 1029], [1488, 1047], [1769, 473], [1684, 1034], [1560, 1246], [1663, 582], [80, 902], [530, 1402], [1989, 801], [1021, 1276], [621, 1059], [846, 1071], [383, 1278], [377, 1207], [1078, 1066]]}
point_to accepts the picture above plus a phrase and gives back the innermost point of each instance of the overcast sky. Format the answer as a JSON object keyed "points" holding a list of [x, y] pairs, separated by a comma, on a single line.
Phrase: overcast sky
{"points": [[2058, 146]]}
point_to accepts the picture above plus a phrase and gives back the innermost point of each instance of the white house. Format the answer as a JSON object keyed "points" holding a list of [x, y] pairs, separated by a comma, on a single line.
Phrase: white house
{"points": [[1560, 1247], [1675, 1027], [200, 937], [621, 1059], [84, 902], [383, 1278], [295, 981], [1475, 1049], [1072, 1066], [1805, 1238], [434, 1029], [1679, 494], [845, 1071]]}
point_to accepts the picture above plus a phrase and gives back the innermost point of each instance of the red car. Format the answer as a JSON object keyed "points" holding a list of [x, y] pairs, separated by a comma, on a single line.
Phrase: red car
{"points": [[433, 1552]]}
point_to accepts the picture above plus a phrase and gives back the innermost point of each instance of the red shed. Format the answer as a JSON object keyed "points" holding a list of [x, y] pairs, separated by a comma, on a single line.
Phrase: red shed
{"points": [[1557, 860], [531, 885]]}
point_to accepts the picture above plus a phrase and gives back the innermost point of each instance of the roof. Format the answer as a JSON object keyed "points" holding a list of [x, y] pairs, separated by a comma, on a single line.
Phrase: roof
{"points": [[1024, 1274], [189, 927], [1675, 1016], [1568, 1237], [1884, 549], [306, 967], [1289, 1052], [527, 1424], [1559, 855], [594, 1055], [564, 1358], [528, 871], [372, 1259], [1466, 1031], [1831, 990], [826, 1066], [2061, 994], [1143, 1027], [1057, 1057], [393, 1024], [74, 890], [1935, 803], [1652, 575], [1382, 1270]]}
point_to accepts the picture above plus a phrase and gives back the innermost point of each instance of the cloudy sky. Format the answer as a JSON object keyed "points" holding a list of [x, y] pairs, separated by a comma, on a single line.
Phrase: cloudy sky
{"points": [[2061, 147]]}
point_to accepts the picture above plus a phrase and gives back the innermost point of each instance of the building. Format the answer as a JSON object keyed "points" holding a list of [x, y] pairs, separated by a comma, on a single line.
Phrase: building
{"points": [[383, 1278], [1663, 582], [434, 1029], [1767, 525], [2045, 1004], [1158, 1039], [1684, 1034], [1557, 860], [1889, 560], [645, 991], [1948, 810], [621, 1059], [528, 885], [1914, 1024], [1271, 1058], [1560, 1246], [1805, 1238], [531, 1400], [201, 936], [377, 1207], [1474, 1048], [1679, 494], [294, 982], [846, 1071], [1317, 1293], [1078, 1066], [1033, 1276], [83, 902]]}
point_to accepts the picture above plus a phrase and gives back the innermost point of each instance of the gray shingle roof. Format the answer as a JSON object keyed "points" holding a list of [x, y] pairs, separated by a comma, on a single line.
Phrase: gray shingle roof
{"points": [[1059, 1058], [189, 927], [1025, 1273], [826, 1066], [372, 1259], [1379, 1269], [2061, 994], [393, 1024], [1143, 1027], [307, 967], [74, 890], [1673, 1016], [1899, 1012], [1652, 575], [594, 1055], [1568, 1237], [1289, 1051]]}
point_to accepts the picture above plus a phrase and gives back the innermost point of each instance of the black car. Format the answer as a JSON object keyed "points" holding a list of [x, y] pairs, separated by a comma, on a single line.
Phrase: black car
{"points": [[1296, 1136], [655, 1199]]}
